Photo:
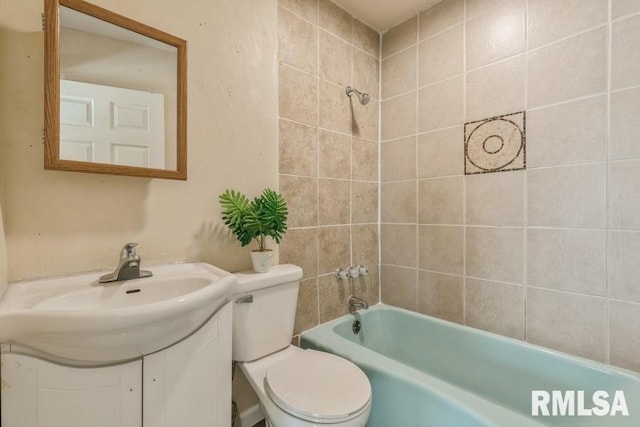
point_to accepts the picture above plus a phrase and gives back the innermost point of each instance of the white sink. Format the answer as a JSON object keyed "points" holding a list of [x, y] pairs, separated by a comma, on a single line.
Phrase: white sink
{"points": [[76, 320]]}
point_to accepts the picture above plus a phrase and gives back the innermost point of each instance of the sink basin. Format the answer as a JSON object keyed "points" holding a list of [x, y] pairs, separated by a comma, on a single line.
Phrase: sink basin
{"points": [[76, 320]]}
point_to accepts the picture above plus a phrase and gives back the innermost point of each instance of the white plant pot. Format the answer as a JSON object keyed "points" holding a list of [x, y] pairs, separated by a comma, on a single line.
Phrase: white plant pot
{"points": [[261, 260]]}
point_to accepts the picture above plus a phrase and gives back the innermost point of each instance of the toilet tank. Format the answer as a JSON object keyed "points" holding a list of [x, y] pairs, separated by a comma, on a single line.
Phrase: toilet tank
{"points": [[264, 311]]}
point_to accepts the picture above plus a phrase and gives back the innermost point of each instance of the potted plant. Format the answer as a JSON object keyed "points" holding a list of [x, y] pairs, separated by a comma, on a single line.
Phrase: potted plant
{"points": [[264, 216]]}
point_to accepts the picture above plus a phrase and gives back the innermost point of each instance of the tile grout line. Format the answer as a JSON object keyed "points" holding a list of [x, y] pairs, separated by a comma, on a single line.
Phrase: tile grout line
{"points": [[399, 138], [317, 126], [322, 128], [436, 34], [379, 145], [521, 285], [316, 77], [529, 227], [607, 308], [601, 26], [464, 160], [541, 107], [351, 160], [418, 87], [317, 24], [623, 17], [415, 150], [525, 190], [325, 178], [607, 161], [625, 88], [537, 168], [501, 60], [569, 100]]}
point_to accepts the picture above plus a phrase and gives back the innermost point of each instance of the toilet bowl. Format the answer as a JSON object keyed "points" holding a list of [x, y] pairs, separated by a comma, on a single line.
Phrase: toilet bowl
{"points": [[295, 387], [334, 392]]}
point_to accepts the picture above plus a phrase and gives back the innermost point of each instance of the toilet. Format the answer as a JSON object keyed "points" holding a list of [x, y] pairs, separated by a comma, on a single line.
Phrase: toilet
{"points": [[295, 387]]}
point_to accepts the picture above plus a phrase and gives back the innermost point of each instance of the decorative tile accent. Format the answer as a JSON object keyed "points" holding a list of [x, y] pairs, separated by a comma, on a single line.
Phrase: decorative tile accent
{"points": [[497, 144]]}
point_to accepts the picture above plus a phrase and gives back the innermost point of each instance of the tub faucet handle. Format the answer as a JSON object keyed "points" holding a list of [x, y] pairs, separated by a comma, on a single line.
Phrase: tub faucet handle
{"points": [[354, 271], [363, 270], [341, 274]]}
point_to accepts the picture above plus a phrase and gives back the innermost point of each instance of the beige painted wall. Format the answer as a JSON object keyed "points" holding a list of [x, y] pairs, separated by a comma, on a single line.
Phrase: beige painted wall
{"points": [[62, 222], [3, 257], [93, 58]]}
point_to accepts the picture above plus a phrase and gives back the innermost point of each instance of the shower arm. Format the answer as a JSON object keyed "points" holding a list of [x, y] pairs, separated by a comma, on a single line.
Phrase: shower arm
{"points": [[350, 91], [362, 97]]}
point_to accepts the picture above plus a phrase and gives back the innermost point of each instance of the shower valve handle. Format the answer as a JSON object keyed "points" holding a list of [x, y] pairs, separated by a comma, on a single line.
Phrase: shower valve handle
{"points": [[341, 274], [354, 271]]}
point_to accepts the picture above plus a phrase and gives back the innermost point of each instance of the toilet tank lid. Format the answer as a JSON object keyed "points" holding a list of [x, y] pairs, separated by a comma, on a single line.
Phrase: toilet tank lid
{"points": [[249, 280]]}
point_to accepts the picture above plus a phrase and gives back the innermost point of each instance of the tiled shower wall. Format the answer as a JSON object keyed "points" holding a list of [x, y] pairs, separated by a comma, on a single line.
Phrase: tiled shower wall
{"points": [[550, 254], [328, 154]]}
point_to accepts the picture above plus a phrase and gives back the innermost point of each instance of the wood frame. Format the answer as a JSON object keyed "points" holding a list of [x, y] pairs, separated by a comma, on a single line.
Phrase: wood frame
{"points": [[52, 158]]}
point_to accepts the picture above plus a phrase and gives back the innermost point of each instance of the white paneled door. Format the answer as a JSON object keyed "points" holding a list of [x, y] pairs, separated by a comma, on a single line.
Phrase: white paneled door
{"points": [[106, 124]]}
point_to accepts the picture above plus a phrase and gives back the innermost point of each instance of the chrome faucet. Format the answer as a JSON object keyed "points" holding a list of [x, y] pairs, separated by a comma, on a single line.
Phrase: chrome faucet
{"points": [[356, 303], [128, 266]]}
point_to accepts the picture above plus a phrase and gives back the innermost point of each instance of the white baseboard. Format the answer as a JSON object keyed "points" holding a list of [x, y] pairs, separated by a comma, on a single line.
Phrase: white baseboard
{"points": [[251, 416]]}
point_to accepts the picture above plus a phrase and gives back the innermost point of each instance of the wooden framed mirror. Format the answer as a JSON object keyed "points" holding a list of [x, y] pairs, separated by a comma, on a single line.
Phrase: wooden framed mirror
{"points": [[115, 94]]}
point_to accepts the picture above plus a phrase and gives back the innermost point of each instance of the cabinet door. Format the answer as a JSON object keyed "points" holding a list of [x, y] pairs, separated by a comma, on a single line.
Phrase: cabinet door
{"points": [[189, 384], [36, 393]]}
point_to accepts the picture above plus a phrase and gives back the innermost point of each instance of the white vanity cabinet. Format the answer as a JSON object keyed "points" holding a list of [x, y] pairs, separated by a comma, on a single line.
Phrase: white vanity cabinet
{"points": [[185, 385], [37, 393], [189, 384]]}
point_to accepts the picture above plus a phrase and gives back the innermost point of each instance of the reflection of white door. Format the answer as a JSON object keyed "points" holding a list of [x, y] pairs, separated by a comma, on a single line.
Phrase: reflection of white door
{"points": [[105, 124]]}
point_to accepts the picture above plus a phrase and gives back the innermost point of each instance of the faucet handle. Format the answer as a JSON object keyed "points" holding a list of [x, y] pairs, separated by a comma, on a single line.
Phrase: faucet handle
{"points": [[129, 250], [353, 271]]}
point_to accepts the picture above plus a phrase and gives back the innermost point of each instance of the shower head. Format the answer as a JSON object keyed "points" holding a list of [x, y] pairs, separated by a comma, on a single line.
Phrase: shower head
{"points": [[362, 97]]}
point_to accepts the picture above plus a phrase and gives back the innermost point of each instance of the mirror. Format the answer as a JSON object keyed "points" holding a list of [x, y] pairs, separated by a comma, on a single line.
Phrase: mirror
{"points": [[115, 94]]}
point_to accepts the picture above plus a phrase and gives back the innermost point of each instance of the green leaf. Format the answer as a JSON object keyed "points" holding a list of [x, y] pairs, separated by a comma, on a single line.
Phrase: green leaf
{"points": [[264, 216], [235, 208]]}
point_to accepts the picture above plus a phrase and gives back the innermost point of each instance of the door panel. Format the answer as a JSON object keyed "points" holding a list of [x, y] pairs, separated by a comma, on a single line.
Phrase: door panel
{"points": [[113, 125]]}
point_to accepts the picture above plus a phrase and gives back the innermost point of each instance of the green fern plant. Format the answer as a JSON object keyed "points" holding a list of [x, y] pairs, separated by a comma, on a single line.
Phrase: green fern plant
{"points": [[264, 216]]}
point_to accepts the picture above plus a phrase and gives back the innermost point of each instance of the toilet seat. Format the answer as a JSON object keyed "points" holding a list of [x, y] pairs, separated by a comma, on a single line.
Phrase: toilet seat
{"points": [[318, 387]]}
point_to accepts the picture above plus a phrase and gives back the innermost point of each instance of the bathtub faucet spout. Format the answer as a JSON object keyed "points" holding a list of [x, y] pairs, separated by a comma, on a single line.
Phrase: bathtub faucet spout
{"points": [[356, 303]]}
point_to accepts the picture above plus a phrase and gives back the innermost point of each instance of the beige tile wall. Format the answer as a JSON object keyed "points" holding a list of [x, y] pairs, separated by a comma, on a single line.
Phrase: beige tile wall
{"points": [[551, 254], [328, 153]]}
